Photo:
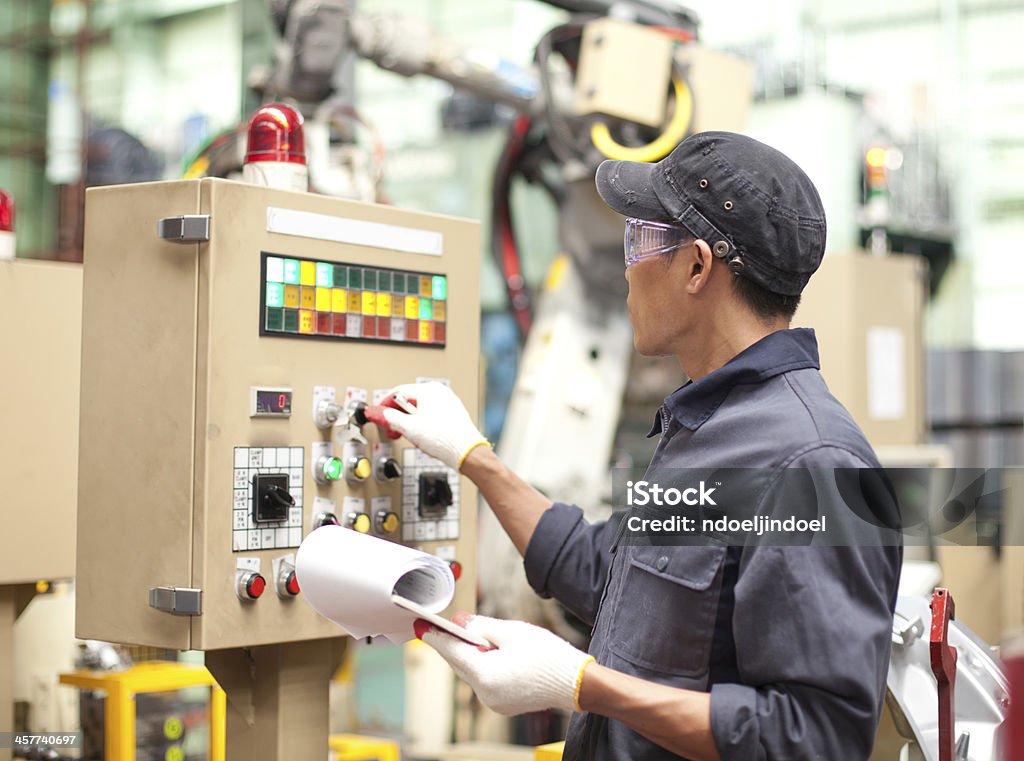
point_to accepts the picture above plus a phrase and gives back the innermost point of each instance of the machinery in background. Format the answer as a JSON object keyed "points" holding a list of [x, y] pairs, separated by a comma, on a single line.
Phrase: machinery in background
{"points": [[231, 335]]}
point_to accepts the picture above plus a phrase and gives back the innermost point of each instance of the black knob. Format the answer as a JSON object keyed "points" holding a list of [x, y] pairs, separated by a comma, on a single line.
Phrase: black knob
{"points": [[275, 495], [325, 519], [359, 414], [390, 469]]}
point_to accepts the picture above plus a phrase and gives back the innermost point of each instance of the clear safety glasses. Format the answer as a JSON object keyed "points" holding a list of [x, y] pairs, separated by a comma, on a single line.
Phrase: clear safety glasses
{"points": [[644, 239]]}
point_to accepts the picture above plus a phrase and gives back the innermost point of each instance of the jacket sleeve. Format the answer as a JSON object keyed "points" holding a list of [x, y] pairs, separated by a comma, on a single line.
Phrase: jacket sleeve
{"points": [[568, 558], [812, 626]]}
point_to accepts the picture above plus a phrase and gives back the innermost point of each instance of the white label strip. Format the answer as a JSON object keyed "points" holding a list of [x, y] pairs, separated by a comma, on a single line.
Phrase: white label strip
{"points": [[306, 224]]}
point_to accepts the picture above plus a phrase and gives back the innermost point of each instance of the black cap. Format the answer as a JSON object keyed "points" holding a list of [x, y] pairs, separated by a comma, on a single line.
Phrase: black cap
{"points": [[757, 209]]}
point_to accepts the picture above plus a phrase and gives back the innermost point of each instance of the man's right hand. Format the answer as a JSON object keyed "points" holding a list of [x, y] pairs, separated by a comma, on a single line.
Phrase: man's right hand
{"points": [[440, 425]]}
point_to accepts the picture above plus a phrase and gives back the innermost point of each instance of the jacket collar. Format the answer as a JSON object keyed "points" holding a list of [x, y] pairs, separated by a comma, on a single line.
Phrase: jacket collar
{"points": [[692, 404]]}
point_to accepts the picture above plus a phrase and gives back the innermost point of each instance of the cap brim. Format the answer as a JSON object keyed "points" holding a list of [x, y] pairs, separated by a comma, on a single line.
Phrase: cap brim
{"points": [[628, 188]]}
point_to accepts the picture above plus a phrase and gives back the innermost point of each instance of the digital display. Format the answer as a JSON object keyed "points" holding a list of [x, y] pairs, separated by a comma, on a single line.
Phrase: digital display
{"points": [[306, 298], [271, 402]]}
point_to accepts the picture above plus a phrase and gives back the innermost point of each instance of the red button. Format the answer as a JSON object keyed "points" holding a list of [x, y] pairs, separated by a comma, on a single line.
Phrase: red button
{"points": [[456, 567], [255, 585], [292, 585]]}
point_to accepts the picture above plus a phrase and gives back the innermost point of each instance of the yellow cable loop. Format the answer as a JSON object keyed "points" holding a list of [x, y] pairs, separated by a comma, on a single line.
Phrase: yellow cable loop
{"points": [[662, 144]]}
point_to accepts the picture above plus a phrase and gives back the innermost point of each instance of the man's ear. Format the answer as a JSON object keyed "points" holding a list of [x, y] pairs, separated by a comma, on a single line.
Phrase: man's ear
{"points": [[698, 262]]}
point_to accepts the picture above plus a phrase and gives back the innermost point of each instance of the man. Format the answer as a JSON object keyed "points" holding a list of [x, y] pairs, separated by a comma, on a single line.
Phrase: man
{"points": [[705, 652]]}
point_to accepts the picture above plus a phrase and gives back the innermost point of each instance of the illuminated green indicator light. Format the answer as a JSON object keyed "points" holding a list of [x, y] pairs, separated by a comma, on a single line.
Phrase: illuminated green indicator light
{"points": [[291, 320], [275, 320], [275, 295], [291, 271], [333, 469], [355, 278], [426, 309], [384, 281], [324, 275], [370, 280], [275, 269], [440, 287]]}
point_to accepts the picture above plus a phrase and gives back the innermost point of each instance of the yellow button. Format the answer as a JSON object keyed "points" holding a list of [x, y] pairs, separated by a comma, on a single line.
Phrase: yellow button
{"points": [[398, 306], [307, 322], [412, 308], [439, 309], [369, 302], [354, 304], [323, 299], [307, 273], [389, 522], [361, 523], [383, 304], [291, 296], [307, 298], [425, 287], [363, 468], [339, 299]]}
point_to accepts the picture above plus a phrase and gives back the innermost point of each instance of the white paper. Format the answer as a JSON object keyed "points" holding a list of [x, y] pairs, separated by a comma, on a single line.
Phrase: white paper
{"points": [[887, 377], [349, 578]]}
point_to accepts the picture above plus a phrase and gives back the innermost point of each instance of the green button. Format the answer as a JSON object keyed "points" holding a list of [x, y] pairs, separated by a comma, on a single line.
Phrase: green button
{"points": [[333, 469], [291, 271], [340, 276], [440, 287], [324, 275], [275, 295], [426, 309], [370, 280], [355, 278], [384, 281], [275, 319], [291, 320]]}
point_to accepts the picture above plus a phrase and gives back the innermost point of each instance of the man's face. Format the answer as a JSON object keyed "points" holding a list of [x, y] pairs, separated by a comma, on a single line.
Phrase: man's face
{"points": [[658, 307]]}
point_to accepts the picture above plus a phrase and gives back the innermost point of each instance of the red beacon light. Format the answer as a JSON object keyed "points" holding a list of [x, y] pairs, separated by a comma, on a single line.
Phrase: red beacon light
{"points": [[276, 152], [6, 226]]}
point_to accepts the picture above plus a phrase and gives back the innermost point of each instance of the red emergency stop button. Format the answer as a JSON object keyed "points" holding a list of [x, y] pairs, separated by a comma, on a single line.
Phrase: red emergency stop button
{"points": [[456, 567], [291, 586]]}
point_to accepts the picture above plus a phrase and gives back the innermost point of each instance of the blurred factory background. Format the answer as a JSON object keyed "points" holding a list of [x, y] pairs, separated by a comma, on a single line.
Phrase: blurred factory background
{"points": [[908, 116]]}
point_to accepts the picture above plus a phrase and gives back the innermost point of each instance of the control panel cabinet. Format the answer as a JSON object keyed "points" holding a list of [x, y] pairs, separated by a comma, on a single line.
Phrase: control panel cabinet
{"points": [[231, 337]]}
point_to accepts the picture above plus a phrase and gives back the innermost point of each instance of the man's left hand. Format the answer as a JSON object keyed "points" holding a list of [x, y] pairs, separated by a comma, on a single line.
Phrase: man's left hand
{"points": [[529, 668]]}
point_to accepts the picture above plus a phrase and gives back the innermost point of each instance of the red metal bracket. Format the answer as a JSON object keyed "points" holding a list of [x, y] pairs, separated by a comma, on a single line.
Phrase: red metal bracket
{"points": [[943, 660]]}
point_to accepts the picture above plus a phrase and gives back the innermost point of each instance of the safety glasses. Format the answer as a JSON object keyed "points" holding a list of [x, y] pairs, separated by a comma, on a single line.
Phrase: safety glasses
{"points": [[644, 239]]}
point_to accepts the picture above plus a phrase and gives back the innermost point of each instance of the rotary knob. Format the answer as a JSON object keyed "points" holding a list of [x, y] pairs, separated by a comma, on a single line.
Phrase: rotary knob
{"points": [[250, 586], [388, 469]]}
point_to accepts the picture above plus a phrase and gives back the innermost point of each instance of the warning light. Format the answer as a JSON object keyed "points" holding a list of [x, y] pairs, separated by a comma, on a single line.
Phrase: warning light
{"points": [[456, 567], [276, 151], [876, 157], [6, 226]]}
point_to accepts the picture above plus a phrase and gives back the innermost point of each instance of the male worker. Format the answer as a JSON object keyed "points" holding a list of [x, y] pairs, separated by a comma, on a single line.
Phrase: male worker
{"points": [[707, 652]]}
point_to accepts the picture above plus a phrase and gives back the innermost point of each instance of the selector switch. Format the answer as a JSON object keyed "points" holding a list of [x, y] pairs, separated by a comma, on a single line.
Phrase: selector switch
{"points": [[250, 586], [358, 522], [358, 414], [388, 469], [435, 495], [271, 499]]}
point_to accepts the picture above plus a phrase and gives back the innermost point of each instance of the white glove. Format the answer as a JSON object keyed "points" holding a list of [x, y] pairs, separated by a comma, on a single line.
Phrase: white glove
{"points": [[441, 426], [530, 668]]}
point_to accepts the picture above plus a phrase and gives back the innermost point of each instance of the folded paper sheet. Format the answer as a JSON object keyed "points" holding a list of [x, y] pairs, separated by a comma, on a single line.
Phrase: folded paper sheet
{"points": [[349, 578]]}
